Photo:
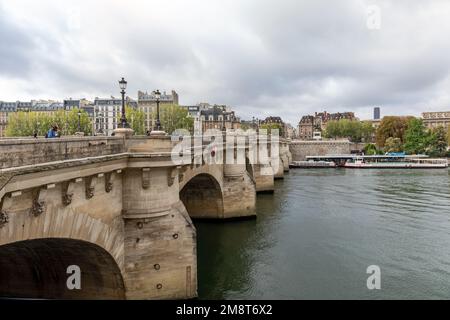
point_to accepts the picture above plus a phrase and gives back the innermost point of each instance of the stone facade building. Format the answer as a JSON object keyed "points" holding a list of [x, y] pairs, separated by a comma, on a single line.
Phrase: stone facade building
{"points": [[208, 116], [147, 103], [218, 117], [107, 113], [275, 120], [436, 119], [306, 128], [5, 110], [310, 125]]}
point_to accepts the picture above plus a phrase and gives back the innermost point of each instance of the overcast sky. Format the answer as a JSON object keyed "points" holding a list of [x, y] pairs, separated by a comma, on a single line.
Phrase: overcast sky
{"points": [[280, 57]]}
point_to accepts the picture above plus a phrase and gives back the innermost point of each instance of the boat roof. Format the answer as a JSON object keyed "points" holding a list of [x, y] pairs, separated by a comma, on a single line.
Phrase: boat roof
{"points": [[354, 156]]}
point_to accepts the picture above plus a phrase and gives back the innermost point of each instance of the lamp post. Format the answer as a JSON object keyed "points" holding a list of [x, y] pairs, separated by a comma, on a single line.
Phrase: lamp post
{"points": [[223, 119], [79, 120], [158, 122], [123, 119]]}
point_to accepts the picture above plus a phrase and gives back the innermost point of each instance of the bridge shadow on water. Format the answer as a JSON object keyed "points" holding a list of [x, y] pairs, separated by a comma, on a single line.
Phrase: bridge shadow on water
{"points": [[228, 252]]}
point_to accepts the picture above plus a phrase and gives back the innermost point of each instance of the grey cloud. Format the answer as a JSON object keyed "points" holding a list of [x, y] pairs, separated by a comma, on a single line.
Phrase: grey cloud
{"points": [[284, 58], [15, 43]]}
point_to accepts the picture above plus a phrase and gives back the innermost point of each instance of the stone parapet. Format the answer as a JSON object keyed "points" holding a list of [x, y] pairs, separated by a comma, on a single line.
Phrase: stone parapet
{"points": [[22, 152]]}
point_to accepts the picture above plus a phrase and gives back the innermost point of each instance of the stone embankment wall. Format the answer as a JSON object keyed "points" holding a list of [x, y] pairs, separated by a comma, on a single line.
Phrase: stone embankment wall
{"points": [[301, 149]]}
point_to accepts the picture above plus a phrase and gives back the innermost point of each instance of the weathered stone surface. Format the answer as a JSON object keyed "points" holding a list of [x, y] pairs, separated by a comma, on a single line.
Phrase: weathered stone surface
{"points": [[264, 178], [21, 152], [301, 149], [123, 199], [160, 256]]}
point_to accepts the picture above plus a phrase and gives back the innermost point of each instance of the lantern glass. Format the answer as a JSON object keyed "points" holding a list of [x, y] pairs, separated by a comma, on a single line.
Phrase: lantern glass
{"points": [[123, 84]]}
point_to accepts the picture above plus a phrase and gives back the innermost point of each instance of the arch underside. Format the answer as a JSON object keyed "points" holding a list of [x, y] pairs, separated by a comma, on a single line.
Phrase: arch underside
{"points": [[202, 197], [37, 269]]}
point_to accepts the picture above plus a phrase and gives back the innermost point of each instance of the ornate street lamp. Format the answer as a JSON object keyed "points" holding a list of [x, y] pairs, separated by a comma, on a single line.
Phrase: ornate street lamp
{"points": [[158, 122], [223, 119], [123, 119]]}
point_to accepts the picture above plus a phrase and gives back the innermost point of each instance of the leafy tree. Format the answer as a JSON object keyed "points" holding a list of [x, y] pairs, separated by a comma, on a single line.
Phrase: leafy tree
{"points": [[355, 131], [174, 117], [367, 131], [391, 127], [245, 126], [437, 143], [370, 149], [273, 126], [22, 124], [416, 137], [136, 119], [393, 145], [448, 136], [19, 125], [333, 130], [70, 121]]}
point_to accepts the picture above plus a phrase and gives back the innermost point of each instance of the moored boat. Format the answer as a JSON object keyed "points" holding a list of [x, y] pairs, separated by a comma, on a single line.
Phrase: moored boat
{"points": [[387, 161], [403, 163], [312, 164]]}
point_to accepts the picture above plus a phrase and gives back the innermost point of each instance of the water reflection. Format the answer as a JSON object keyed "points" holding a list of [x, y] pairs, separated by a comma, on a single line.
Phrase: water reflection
{"points": [[315, 237]]}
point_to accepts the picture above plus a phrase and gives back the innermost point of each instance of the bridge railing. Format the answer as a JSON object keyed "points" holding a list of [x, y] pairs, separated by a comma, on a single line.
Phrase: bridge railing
{"points": [[16, 152], [29, 151]]}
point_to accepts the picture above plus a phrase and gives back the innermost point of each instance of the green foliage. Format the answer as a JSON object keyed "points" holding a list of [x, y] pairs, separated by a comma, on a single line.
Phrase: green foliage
{"points": [[135, 118], [174, 117], [416, 137], [355, 131], [436, 144], [273, 126], [448, 136], [23, 124], [69, 121], [371, 150], [391, 127], [393, 145], [245, 126]]}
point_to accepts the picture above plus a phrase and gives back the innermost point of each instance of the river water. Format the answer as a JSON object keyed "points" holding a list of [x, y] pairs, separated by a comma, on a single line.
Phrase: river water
{"points": [[316, 235]]}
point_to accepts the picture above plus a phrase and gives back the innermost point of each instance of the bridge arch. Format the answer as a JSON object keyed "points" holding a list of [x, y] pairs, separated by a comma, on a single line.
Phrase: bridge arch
{"points": [[203, 197], [56, 238], [38, 269]]}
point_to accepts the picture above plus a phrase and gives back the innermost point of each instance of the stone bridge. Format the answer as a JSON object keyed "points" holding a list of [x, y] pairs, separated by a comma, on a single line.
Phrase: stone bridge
{"points": [[120, 209]]}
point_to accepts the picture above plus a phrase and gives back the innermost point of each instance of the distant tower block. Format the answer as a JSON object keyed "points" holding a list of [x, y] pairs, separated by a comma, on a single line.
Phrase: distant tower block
{"points": [[376, 113]]}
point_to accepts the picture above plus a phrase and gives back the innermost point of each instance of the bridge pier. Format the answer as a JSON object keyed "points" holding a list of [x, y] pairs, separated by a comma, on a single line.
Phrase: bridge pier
{"points": [[239, 192], [285, 154], [160, 256], [264, 178], [159, 236], [278, 168]]}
